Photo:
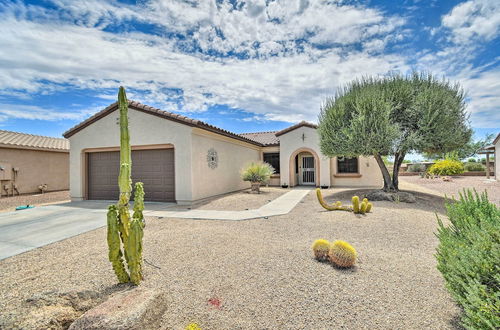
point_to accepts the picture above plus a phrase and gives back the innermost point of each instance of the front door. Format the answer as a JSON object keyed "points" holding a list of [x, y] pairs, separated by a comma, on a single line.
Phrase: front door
{"points": [[306, 173]]}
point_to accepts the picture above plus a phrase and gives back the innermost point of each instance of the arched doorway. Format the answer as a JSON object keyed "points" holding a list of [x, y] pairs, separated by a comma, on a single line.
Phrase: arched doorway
{"points": [[304, 168]]}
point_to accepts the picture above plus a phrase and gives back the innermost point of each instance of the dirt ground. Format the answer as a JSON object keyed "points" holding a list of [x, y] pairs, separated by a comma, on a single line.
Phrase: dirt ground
{"points": [[239, 201], [262, 272], [10, 203], [458, 184]]}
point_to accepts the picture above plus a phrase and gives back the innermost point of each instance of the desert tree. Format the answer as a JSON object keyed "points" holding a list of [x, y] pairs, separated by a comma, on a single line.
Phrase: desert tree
{"points": [[393, 116]]}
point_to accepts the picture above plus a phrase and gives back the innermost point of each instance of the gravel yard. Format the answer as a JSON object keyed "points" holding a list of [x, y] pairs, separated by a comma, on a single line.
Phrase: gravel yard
{"points": [[239, 201], [10, 203], [262, 271], [452, 188]]}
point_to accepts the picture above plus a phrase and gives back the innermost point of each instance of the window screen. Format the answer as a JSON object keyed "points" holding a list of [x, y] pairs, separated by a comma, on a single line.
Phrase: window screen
{"points": [[274, 160], [347, 165]]}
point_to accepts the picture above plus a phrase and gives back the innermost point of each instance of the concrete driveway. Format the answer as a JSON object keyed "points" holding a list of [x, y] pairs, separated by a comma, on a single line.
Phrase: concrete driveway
{"points": [[25, 230]]}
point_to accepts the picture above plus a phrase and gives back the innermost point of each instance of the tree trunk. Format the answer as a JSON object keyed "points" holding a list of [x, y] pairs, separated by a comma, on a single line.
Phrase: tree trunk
{"points": [[388, 183], [398, 160]]}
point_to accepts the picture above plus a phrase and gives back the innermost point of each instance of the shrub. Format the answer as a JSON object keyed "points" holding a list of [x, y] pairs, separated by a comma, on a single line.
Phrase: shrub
{"points": [[320, 248], [474, 167], [257, 172], [468, 257], [472, 160], [342, 254], [416, 168], [447, 167]]}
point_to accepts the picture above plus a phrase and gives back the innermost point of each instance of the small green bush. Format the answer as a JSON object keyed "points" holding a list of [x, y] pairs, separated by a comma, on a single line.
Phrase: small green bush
{"points": [[472, 160], [468, 257], [416, 168], [474, 167], [257, 172], [447, 167]]}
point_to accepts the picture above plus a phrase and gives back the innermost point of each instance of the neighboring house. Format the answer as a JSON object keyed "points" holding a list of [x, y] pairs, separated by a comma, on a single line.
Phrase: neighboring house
{"points": [[186, 160], [28, 162], [496, 144]]}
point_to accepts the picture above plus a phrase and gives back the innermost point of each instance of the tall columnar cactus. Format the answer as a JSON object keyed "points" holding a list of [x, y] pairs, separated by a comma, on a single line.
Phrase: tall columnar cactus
{"points": [[125, 232]]}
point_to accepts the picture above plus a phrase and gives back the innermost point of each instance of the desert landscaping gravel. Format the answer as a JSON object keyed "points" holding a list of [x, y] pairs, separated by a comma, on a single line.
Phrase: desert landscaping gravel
{"points": [[10, 203], [260, 273], [457, 184], [239, 201]]}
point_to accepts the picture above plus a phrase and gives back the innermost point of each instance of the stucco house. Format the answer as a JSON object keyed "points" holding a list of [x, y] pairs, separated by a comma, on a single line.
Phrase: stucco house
{"points": [[28, 162], [185, 160], [496, 146]]}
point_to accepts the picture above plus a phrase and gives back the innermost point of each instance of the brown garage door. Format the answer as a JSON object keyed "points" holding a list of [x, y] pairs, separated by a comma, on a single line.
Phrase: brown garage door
{"points": [[155, 168]]}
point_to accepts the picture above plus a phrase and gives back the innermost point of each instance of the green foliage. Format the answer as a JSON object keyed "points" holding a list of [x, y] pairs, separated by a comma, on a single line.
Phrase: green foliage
{"points": [[468, 257], [470, 149], [416, 168], [394, 115], [474, 167], [125, 232], [447, 167], [257, 172], [472, 160], [483, 160]]}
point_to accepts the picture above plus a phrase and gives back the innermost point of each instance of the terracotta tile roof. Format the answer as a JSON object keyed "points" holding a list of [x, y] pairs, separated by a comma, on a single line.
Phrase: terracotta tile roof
{"points": [[291, 128], [29, 141], [266, 138], [160, 113]]}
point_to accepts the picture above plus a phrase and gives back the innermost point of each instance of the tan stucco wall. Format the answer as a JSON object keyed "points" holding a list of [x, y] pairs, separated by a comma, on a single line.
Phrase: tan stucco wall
{"points": [[36, 168], [233, 155], [291, 142], [144, 129], [368, 169], [497, 160]]}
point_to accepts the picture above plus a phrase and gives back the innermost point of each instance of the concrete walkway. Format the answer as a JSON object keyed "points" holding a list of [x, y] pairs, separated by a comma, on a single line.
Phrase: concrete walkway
{"points": [[281, 205], [25, 230]]}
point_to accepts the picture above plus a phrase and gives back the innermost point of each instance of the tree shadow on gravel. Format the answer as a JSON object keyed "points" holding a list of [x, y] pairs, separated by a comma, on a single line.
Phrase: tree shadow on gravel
{"points": [[425, 202]]}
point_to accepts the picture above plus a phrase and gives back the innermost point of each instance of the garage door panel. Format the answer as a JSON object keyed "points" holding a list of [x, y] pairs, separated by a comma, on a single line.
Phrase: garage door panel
{"points": [[155, 168]]}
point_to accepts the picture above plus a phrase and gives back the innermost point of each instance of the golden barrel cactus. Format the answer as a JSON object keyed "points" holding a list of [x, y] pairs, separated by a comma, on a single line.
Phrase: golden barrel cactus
{"points": [[320, 248], [342, 254]]}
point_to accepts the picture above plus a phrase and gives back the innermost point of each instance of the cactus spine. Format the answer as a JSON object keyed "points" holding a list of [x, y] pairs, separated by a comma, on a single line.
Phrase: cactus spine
{"points": [[356, 207], [355, 204], [320, 249], [335, 207], [124, 231], [342, 254]]}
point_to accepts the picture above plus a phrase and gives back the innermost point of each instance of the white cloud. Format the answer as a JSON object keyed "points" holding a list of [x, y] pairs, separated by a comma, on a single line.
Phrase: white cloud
{"points": [[39, 113], [282, 81], [473, 19]]}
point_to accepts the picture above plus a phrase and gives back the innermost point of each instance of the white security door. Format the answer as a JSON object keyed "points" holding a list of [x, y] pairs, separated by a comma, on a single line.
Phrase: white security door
{"points": [[307, 171]]}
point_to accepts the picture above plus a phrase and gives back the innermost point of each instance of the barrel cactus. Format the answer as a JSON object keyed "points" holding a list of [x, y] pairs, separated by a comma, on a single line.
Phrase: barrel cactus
{"points": [[320, 249], [342, 254], [125, 233]]}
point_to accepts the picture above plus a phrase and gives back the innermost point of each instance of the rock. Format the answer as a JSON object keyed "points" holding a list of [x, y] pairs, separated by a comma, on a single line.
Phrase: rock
{"points": [[379, 195], [405, 197], [138, 308], [401, 196]]}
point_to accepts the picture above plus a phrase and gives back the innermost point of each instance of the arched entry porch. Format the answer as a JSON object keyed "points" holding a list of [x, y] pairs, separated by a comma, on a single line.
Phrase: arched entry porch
{"points": [[304, 167]]}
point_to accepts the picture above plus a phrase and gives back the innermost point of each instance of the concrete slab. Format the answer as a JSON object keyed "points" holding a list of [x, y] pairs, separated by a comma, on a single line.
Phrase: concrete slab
{"points": [[21, 231], [281, 205]]}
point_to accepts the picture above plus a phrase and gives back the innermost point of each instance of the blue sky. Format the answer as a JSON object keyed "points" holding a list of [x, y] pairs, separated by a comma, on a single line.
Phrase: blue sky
{"points": [[241, 65]]}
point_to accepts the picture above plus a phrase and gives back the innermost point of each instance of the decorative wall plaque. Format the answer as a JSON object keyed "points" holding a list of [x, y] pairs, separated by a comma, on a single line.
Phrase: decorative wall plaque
{"points": [[212, 158]]}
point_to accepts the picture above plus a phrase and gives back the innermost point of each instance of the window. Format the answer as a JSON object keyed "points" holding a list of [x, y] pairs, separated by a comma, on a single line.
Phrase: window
{"points": [[347, 165], [274, 160]]}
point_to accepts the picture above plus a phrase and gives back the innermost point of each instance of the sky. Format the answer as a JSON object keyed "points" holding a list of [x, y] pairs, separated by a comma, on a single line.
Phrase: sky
{"points": [[244, 66]]}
